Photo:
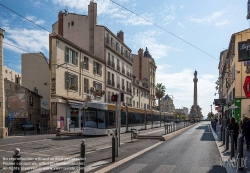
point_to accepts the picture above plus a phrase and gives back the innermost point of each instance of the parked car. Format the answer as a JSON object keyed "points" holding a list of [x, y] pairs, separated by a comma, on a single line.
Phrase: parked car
{"points": [[28, 126]]}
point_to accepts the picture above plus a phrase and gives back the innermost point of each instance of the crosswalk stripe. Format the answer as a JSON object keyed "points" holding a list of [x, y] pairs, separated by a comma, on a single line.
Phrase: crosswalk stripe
{"points": [[134, 168], [197, 169], [165, 169]]}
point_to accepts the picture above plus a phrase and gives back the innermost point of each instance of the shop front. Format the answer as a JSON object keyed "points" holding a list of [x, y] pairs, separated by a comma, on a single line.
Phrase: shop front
{"points": [[74, 115]]}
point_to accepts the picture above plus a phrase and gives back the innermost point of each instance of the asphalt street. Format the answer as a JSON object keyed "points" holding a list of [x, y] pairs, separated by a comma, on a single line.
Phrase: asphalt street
{"points": [[193, 151]]}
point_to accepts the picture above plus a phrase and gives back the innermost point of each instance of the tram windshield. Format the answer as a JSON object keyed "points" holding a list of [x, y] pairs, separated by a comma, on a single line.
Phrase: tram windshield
{"points": [[90, 118]]}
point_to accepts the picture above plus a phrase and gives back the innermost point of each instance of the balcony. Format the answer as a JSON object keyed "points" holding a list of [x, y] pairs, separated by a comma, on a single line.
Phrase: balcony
{"points": [[118, 86], [123, 88], [129, 104], [129, 74], [111, 83], [111, 64], [123, 71], [118, 68], [154, 107], [145, 85], [116, 48]]}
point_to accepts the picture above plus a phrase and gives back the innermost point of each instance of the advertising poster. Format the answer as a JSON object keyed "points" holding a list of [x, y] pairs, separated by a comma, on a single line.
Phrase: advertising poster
{"points": [[62, 122]]}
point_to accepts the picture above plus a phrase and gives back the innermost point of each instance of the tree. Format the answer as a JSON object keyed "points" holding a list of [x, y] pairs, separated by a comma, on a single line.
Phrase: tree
{"points": [[159, 93], [211, 116]]}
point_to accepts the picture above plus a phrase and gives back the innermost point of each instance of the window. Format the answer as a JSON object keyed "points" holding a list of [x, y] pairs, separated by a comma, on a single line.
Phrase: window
{"points": [[97, 68], [85, 63], [72, 23], [6, 71], [86, 85], [137, 104], [71, 56], [98, 87], [71, 81], [17, 80], [31, 101], [108, 56], [113, 79]]}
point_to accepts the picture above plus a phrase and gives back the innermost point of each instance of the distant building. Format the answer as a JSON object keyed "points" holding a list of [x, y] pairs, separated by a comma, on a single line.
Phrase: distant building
{"points": [[167, 104], [185, 110], [144, 69], [12, 75]]}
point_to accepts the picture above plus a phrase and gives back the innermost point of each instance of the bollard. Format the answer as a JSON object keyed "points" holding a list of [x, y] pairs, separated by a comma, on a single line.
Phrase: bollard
{"points": [[227, 139], [113, 149], [165, 130], [223, 135], [240, 161], [232, 144], [221, 131], [82, 157], [17, 161], [24, 131]]}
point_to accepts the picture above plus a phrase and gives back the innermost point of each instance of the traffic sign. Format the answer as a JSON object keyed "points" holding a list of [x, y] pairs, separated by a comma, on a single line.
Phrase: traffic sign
{"points": [[246, 87], [11, 119]]}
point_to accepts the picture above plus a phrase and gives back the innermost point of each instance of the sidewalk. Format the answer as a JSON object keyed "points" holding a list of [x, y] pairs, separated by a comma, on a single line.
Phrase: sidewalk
{"points": [[246, 154]]}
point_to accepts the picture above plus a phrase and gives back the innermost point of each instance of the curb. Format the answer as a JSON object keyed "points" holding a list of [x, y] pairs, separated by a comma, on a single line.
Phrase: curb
{"points": [[173, 134]]}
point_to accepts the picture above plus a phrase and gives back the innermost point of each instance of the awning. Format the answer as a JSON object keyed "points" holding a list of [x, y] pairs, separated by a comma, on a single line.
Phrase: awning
{"points": [[75, 104]]}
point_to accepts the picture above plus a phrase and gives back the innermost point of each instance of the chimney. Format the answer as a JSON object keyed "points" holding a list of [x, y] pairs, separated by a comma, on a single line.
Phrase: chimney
{"points": [[120, 36], [60, 23], [92, 15], [140, 52]]}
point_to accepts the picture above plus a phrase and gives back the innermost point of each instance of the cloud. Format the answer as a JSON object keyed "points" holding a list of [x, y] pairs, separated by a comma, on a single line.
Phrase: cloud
{"points": [[181, 86], [169, 13], [148, 39], [34, 19], [30, 40], [211, 19], [180, 24]]}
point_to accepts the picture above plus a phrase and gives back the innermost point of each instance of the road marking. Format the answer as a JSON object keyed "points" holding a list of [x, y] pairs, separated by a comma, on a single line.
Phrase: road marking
{"points": [[134, 168], [165, 169], [197, 169], [26, 142], [114, 165], [95, 165]]}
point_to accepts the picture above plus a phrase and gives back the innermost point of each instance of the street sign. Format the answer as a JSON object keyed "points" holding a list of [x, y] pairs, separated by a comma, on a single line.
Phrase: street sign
{"points": [[11, 119], [246, 87]]}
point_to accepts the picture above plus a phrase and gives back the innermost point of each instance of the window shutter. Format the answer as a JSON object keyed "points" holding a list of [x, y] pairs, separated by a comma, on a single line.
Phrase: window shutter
{"points": [[87, 63], [85, 86], [100, 87], [100, 69], [76, 82], [66, 54], [94, 68], [94, 84], [66, 80], [76, 61]]}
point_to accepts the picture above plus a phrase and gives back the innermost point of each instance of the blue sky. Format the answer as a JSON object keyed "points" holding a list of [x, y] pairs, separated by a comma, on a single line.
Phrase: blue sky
{"points": [[207, 25]]}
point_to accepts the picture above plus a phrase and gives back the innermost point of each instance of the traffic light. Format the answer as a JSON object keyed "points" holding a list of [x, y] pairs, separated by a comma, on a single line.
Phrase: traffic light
{"points": [[114, 98], [122, 97]]}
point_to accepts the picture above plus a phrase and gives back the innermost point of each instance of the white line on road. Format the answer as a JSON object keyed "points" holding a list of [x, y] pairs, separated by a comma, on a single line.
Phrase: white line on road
{"points": [[25, 142], [134, 168], [165, 168]]}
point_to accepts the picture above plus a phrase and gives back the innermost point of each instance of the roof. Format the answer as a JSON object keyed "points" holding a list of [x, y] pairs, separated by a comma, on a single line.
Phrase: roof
{"points": [[147, 54], [166, 97]]}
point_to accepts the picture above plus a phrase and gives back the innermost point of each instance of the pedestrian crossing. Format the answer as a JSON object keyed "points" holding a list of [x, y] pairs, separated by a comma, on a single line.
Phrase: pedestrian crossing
{"points": [[135, 168]]}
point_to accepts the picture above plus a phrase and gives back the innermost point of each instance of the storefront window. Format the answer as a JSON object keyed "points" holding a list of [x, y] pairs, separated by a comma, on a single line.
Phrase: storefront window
{"points": [[74, 118], [90, 118]]}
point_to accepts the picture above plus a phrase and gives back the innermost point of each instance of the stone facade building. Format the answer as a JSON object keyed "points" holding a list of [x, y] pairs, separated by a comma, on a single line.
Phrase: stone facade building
{"points": [[144, 69], [77, 77], [22, 105], [84, 32], [167, 104]]}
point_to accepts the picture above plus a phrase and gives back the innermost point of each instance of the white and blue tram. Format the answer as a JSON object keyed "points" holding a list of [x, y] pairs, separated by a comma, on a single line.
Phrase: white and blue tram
{"points": [[99, 119]]}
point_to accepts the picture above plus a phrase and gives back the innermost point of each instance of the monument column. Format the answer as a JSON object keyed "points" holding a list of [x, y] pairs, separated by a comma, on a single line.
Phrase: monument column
{"points": [[195, 88], [2, 95]]}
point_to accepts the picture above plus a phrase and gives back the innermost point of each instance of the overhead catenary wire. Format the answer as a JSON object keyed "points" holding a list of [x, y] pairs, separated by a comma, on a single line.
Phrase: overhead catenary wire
{"points": [[25, 18], [165, 30]]}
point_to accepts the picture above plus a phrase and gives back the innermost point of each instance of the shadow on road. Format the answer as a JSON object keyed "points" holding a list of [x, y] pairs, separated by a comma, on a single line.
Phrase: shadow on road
{"points": [[217, 169]]}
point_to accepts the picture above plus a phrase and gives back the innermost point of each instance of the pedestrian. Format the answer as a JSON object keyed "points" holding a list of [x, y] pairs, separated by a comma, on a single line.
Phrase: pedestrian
{"points": [[224, 121], [228, 121], [233, 125], [38, 127], [245, 128]]}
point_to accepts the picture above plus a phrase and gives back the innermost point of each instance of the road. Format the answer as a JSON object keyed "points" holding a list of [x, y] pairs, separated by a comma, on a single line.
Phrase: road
{"points": [[48, 146], [193, 151]]}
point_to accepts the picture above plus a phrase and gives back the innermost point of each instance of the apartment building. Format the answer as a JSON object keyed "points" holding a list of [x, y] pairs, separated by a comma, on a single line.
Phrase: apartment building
{"points": [[232, 77], [12, 75], [144, 69], [36, 76], [77, 77], [140, 96], [83, 31]]}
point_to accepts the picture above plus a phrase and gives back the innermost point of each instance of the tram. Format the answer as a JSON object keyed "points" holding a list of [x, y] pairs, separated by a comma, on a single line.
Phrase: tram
{"points": [[99, 119]]}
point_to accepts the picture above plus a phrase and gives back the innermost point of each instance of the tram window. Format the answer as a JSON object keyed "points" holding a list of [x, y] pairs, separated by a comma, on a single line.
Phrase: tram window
{"points": [[149, 119], [130, 119], [90, 118], [110, 120], [123, 119], [101, 119], [137, 118]]}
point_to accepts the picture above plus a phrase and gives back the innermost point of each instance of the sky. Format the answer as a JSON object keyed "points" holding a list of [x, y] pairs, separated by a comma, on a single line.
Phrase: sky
{"points": [[182, 36]]}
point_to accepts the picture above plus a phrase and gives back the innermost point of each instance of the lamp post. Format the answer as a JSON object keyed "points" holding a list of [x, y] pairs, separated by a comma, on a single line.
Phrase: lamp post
{"points": [[211, 110]]}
